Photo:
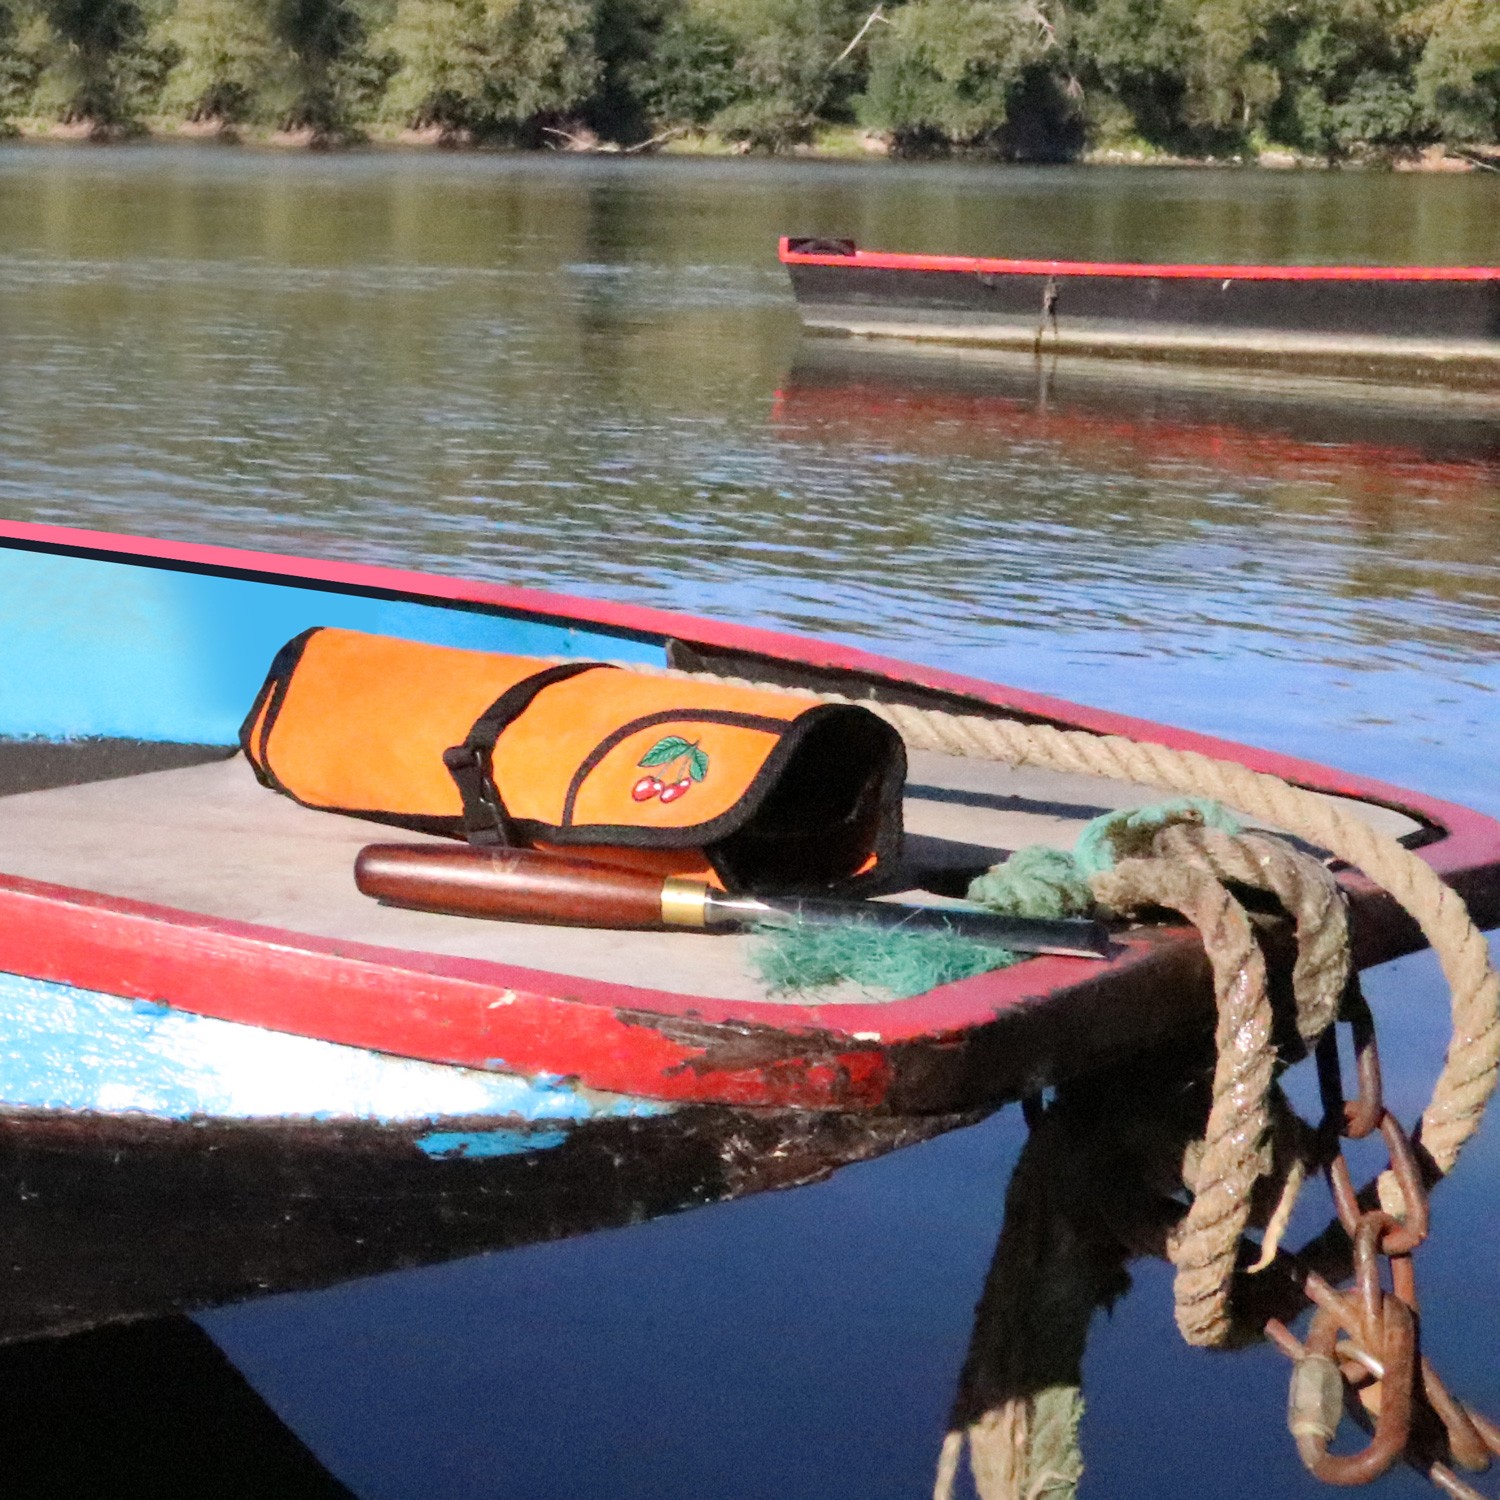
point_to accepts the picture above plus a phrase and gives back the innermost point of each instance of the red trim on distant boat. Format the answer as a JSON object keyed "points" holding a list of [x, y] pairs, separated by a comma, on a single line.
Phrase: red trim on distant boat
{"points": [[879, 260]]}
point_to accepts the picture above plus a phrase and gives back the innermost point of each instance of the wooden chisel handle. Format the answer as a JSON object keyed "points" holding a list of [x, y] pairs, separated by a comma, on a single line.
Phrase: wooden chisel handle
{"points": [[520, 885]]}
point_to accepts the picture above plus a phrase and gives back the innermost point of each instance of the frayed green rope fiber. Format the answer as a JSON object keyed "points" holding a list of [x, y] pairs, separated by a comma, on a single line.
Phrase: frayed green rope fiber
{"points": [[1037, 881], [1128, 834], [805, 956]]}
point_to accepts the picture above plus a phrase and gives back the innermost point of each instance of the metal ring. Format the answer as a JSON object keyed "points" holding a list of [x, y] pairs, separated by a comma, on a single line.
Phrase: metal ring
{"points": [[1393, 1421]]}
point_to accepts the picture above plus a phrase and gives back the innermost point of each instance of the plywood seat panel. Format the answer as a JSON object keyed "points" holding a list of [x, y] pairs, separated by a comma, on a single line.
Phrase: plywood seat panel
{"points": [[209, 839]]}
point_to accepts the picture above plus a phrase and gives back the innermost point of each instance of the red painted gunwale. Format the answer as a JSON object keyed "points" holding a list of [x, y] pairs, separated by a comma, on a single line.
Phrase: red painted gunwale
{"points": [[880, 260], [606, 1036]]}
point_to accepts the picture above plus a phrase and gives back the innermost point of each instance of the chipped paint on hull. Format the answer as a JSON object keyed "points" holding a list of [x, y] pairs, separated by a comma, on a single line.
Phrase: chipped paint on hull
{"points": [[71, 1049], [485, 1143]]}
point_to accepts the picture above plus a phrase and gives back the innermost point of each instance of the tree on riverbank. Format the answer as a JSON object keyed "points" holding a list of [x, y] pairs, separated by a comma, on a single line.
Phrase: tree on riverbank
{"points": [[485, 68], [956, 71], [298, 64], [788, 54], [86, 62], [1458, 76], [1334, 79], [225, 52]]}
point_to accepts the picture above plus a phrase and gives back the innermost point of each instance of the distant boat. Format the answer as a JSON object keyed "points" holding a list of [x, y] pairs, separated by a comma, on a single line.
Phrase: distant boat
{"points": [[1439, 322]]}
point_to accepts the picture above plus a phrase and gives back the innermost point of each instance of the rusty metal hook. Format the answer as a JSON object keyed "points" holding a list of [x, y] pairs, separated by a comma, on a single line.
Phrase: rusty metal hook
{"points": [[1466, 1442], [1357, 1117], [1317, 1396]]}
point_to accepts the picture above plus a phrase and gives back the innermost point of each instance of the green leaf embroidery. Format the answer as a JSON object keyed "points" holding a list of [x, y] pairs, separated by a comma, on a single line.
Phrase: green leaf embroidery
{"points": [[697, 764], [673, 747]]}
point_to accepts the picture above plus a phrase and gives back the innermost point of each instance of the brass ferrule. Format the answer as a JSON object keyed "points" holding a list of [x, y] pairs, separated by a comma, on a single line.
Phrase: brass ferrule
{"points": [[684, 902]]}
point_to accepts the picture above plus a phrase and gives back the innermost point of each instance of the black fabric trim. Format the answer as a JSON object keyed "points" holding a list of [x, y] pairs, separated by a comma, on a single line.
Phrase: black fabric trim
{"points": [[664, 716], [471, 764], [883, 834], [275, 687]]}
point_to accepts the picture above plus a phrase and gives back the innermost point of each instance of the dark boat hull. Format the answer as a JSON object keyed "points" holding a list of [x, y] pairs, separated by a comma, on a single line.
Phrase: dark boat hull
{"points": [[1443, 320], [119, 1217], [145, 1411]]}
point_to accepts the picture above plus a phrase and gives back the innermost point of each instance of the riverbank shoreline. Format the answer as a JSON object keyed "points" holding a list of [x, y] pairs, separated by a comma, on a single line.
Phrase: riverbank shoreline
{"points": [[833, 145]]}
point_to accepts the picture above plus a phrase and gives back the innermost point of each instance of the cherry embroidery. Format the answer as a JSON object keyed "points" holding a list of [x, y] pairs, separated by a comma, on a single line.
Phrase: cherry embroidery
{"points": [[686, 764]]}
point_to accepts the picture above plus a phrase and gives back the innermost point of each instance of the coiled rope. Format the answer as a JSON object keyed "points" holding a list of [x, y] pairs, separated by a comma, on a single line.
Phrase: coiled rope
{"points": [[1185, 873]]}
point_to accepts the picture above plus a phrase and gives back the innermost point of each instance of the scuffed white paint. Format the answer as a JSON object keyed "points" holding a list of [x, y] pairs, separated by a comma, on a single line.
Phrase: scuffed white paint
{"points": [[65, 1048]]}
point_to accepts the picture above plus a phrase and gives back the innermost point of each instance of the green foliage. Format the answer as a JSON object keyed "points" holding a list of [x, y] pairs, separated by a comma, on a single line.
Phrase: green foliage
{"points": [[320, 42], [1327, 76], [226, 51], [1348, 69], [1458, 74], [692, 72], [491, 67], [18, 65], [1135, 55], [1191, 75], [1230, 74], [949, 70], [788, 57], [300, 64], [627, 37], [92, 61], [1023, 78]]}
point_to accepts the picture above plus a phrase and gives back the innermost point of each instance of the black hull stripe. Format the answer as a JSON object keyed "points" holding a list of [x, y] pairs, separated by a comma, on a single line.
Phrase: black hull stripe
{"points": [[1422, 310]]}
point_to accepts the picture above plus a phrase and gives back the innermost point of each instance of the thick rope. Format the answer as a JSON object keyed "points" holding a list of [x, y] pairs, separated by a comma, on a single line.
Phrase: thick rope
{"points": [[1234, 1154], [1305, 889], [1019, 1405], [1022, 1437], [1250, 1130], [1473, 1058], [1472, 1063]]}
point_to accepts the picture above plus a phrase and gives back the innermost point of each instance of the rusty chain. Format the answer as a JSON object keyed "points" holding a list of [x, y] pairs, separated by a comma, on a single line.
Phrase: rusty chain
{"points": [[1362, 1353]]}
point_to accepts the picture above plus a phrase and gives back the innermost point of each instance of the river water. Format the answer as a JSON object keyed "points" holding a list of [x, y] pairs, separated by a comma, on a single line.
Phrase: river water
{"points": [[587, 375]]}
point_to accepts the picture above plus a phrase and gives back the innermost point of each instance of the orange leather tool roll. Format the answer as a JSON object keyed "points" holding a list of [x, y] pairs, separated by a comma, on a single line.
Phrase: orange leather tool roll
{"points": [[756, 790]]}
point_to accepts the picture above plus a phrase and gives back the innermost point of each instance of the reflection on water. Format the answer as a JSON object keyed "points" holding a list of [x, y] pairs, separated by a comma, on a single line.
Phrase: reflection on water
{"points": [[566, 374]]}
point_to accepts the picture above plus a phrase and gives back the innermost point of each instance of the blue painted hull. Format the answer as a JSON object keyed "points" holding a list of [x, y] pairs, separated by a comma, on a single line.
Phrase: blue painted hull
{"points": [[114, 650], [140, 1212], [156, 1161], [79, 1052]]}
